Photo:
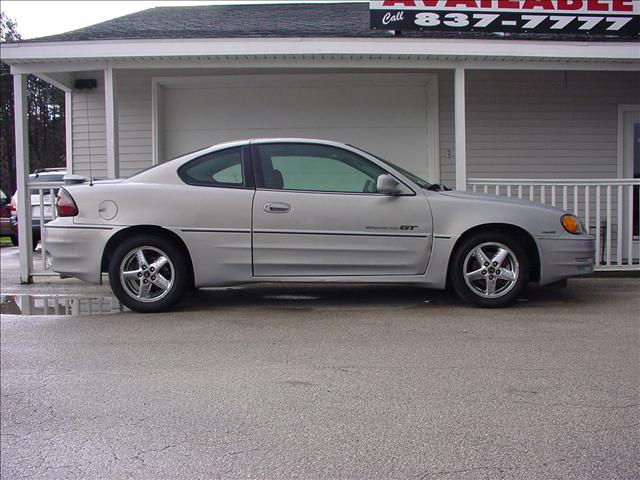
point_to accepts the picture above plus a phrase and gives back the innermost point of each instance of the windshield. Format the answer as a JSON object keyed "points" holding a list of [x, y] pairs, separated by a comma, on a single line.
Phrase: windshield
{"points": [[411, 176]]}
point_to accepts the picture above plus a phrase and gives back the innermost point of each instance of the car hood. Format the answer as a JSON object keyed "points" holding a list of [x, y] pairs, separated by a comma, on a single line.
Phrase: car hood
{"points": [[485, 197]]}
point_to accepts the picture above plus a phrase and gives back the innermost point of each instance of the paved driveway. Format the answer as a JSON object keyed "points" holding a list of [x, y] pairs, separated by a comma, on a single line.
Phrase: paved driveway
{"points": [[329, 383]]}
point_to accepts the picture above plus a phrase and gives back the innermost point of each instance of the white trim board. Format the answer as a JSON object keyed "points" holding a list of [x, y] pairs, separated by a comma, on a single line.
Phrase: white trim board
{"points": [[621, 111], [116, 49], [322, 61], [68, 129]]}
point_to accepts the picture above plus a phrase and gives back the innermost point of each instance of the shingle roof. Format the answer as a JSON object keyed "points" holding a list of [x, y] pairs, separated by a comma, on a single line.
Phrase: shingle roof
{"points": [[246, 21]]}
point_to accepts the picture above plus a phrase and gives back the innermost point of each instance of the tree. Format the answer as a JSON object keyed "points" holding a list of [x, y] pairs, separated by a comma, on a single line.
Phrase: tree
{"points": [[45, 111], [8, 32]]}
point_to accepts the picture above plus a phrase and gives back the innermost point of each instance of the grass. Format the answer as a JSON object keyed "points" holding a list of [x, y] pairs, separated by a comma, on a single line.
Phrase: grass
{"points": [[5, 242]]}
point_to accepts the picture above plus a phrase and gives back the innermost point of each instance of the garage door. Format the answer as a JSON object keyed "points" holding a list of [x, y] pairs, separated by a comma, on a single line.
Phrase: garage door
{"points": [[384, 116]]}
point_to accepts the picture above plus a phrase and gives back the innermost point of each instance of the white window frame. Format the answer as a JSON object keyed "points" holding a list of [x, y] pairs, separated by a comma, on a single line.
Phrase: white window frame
{"points": [[622, 109]]}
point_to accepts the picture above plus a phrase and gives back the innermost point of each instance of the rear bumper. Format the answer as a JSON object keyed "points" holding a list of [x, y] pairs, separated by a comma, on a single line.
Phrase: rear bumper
{"points": [[76, 251], [561, 258]]}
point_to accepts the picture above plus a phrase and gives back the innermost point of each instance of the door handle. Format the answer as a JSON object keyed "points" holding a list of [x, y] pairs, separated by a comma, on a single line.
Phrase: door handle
{"points": [[277, 207]]}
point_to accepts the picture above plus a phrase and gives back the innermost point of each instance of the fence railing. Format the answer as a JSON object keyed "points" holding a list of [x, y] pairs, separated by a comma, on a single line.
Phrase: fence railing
{"points": [[42, 204], [609, 208]]}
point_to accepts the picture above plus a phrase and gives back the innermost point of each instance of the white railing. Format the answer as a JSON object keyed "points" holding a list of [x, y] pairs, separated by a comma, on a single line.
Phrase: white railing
{"points": [[607, 207], [45, 211]]}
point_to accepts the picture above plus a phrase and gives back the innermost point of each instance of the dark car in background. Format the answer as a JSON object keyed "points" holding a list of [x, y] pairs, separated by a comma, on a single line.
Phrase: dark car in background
{"points": [[5, 219], [44, 207]]}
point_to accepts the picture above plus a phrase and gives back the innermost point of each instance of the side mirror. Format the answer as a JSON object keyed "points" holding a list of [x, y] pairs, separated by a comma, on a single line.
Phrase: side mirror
{"points": [[387, 185]]}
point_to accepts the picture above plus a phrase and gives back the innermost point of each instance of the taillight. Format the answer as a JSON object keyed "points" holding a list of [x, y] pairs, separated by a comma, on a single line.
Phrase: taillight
{"points": [[65, 205], [12, 205]]}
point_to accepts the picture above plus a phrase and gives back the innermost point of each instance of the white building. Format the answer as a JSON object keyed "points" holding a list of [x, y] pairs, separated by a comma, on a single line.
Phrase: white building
{"points": [[552, 117]]}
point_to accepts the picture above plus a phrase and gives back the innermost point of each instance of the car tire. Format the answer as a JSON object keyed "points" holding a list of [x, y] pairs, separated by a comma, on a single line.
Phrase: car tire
{"points": [[148, 273], [490, 269]]}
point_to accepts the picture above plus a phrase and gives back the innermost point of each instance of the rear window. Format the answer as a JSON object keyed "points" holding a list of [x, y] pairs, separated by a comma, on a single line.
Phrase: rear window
{"points": [[215, 169]]}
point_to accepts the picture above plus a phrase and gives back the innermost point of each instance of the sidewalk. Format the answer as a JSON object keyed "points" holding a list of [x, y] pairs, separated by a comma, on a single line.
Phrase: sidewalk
{"points": [[42, 285]]}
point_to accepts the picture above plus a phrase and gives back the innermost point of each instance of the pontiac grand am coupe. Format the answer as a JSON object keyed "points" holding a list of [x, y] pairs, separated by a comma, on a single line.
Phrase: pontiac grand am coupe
{"points": [[297, 210]]}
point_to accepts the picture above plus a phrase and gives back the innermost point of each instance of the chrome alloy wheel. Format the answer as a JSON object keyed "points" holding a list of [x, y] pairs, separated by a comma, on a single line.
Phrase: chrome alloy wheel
{"points": [[491, 270], [147, 274]]}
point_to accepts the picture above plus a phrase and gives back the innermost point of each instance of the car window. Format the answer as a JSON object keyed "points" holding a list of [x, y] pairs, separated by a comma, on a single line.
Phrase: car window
{"points": [[321, 168], [215, 169]]}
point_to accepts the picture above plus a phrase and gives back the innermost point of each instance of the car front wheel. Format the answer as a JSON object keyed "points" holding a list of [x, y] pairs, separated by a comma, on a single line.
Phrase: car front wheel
{"points": [[490, 269], [148, 273]]}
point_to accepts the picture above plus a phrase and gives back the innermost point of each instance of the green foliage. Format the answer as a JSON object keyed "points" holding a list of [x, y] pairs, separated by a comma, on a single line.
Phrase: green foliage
{"points": [[45, 104], [8, 28]]}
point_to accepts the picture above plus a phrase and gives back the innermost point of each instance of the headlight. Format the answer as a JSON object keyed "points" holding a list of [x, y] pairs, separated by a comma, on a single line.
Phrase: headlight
{"points": [[571, 224]]}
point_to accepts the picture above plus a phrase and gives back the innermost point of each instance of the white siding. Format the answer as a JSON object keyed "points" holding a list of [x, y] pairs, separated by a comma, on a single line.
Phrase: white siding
{"points": [[545, 124], [134, 121], [135, 115], [535, 124], [89, 131]]}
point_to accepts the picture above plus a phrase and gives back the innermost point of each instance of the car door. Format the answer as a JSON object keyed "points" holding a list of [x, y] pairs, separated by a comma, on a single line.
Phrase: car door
{"points": [[316, 212], [213, 214]]}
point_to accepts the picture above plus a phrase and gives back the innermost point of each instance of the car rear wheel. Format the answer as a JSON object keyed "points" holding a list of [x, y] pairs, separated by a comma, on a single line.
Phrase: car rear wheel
{"points": [[490, 269], [148, 273]]}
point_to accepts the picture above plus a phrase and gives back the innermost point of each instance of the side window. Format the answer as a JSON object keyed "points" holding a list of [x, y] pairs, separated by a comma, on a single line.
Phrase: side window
{"points": [[319, 168], [216, 169]]}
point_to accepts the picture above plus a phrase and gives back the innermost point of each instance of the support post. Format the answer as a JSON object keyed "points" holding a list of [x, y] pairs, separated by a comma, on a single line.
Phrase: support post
{"points": [[111, 108], [68, 129], [22, 173], [460, 130]]}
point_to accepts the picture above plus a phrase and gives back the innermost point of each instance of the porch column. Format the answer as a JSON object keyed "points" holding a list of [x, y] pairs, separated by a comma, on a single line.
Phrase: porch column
{"points": [[460, 130], [111, 107], [68, 129], [22, 174]]}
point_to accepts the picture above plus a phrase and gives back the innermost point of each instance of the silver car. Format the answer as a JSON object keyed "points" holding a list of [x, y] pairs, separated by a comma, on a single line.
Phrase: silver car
{"points": [[297, 210]]}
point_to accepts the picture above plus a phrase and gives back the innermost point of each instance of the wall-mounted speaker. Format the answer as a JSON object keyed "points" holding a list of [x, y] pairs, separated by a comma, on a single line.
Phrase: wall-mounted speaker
{"points": [[86, 83]]}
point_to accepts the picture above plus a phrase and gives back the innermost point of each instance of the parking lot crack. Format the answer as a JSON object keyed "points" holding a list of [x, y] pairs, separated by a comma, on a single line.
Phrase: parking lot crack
{"points": [[579, 405], [465, 470], [245, 451]]}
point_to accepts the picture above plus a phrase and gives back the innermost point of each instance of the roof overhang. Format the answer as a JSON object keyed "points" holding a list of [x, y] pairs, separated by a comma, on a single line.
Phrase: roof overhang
{"points": [[33, 57]]}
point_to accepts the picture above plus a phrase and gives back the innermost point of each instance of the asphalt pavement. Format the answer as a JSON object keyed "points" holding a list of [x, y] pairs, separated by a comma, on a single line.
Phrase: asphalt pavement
{"points": [[322, 382]]}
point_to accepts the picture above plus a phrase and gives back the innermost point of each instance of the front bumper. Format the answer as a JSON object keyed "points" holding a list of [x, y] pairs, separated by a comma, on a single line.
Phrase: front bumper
{"points": [[564, 257], [76, 251]]}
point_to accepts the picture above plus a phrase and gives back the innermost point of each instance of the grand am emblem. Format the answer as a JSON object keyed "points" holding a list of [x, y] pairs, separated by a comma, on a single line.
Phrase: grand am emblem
{"points": [[383, 227]]}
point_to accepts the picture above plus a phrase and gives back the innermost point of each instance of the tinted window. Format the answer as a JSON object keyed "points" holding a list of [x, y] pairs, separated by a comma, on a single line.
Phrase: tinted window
{"points": [[216, 169], [316, 168]]}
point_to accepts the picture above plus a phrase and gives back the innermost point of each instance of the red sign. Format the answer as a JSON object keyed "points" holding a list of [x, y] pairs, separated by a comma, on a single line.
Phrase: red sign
{"points": [[620, 18]]}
